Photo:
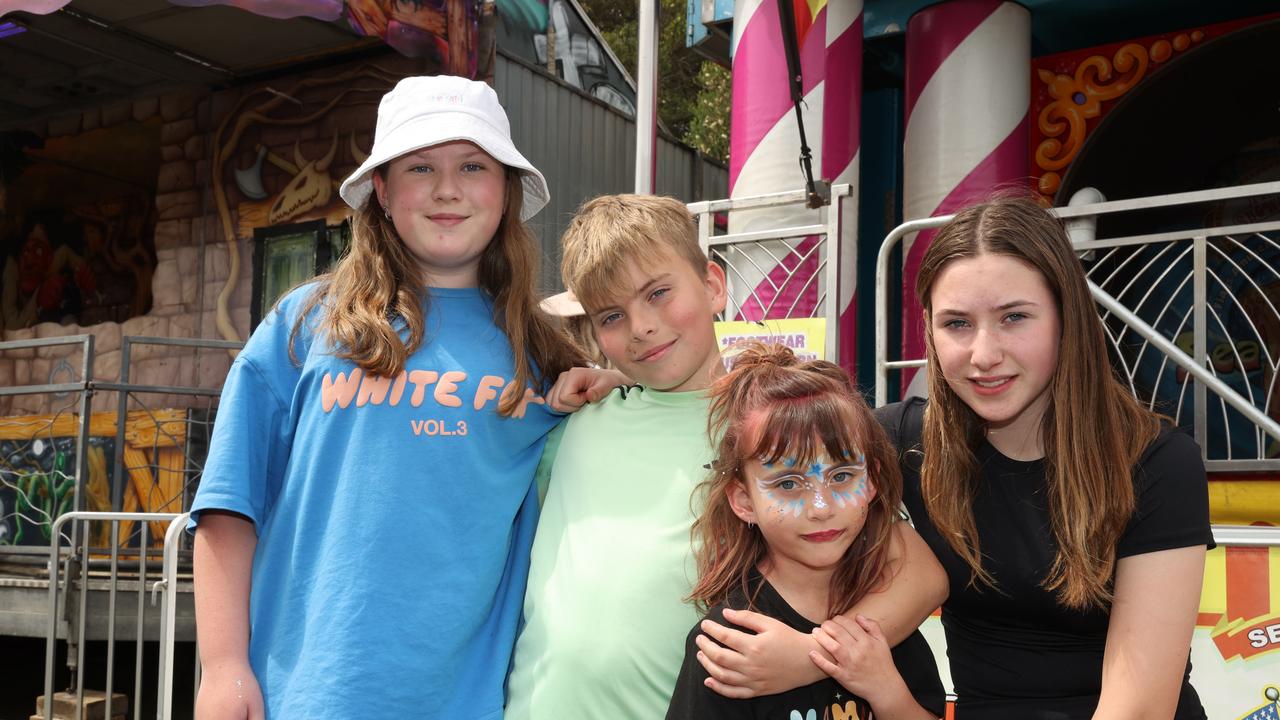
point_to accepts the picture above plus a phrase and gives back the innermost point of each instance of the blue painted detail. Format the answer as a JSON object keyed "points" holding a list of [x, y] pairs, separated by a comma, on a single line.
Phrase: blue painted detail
{"points": [[694, 31], [696, 27]]}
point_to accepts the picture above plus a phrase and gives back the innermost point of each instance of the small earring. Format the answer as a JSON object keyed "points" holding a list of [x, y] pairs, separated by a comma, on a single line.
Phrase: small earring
{"points": [[386, 212], [750, 525]]}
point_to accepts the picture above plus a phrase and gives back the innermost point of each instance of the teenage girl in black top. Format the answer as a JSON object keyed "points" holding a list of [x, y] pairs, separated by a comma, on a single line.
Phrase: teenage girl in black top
{"points": [[1071, 523]]}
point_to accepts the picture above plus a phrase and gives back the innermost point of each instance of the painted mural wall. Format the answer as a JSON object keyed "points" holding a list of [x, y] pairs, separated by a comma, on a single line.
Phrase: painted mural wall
{"points": [[139, 219], [76, 225]]}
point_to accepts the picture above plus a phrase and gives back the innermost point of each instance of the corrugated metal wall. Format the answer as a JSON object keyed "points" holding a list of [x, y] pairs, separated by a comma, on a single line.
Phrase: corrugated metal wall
{"points": [[586, 148]]}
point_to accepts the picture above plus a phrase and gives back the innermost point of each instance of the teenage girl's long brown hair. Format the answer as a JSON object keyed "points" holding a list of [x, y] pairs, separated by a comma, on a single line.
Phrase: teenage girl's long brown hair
{"points": [[1093, 431], [380, 279], [772, 406]]}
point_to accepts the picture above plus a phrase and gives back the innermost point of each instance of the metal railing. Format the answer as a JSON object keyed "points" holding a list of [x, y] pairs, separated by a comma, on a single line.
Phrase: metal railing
{"points": [[77, 562], [774, 270], [165, 432], [1157, 291], [173, 539], [1246, 535]]}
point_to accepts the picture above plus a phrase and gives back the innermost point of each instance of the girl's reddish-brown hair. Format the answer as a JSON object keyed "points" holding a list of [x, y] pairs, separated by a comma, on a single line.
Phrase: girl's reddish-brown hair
{"points": [[772, 406]]}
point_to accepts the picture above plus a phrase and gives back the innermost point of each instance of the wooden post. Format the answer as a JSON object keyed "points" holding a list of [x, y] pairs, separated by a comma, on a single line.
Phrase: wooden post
{"points": [[460, 37]]}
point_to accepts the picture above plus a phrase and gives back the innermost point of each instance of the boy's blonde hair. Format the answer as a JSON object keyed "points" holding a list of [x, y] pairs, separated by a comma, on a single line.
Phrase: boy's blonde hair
{"points": [[613, 232]]}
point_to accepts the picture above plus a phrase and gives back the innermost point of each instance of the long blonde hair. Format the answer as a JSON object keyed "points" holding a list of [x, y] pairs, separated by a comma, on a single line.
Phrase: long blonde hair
{"points": [[1093, 430], [380, 279], [809, 407]]}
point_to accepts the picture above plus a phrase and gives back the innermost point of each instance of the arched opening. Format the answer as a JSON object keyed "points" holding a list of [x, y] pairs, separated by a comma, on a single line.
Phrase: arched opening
{"points": [[1209, 119]]}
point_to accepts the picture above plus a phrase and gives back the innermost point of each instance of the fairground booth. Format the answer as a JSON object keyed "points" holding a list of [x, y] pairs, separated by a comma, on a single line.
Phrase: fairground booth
{"points": [[169, 167]]}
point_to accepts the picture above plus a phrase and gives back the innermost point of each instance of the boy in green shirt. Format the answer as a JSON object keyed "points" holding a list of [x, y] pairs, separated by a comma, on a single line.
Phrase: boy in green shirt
{"points": [[605, 612]]}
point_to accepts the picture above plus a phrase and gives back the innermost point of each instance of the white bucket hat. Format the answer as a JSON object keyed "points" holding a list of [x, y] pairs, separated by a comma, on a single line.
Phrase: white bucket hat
{"points": [[423, 111], [564, 304]]}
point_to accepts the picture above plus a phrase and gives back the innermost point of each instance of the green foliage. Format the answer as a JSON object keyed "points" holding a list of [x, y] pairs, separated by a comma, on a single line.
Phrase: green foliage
{"points": [[693, 93], [709, 126]]}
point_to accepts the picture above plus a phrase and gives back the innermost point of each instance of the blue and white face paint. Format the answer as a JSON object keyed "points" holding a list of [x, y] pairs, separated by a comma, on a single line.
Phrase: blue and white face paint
{"points": [[809, 513], [789, 488]]}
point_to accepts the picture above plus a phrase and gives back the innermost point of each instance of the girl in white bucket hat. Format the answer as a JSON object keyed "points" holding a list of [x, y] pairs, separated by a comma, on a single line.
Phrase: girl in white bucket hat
{"points": [[365, 515]]}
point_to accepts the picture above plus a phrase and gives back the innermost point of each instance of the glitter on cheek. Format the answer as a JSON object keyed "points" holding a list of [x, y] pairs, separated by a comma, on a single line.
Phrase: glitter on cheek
{"points": [[797, 506], [842, 497], [860, 490], [775, 504]]}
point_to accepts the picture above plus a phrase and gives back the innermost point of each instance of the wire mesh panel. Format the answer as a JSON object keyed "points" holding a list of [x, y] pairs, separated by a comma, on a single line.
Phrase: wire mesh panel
{"points": [[1214, 296], [777, 278], [792, 271], [160, 449]]}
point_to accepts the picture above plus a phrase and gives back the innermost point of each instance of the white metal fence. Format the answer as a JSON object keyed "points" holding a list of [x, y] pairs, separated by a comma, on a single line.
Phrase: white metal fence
{"points": [[69, 593], [783, 272]]}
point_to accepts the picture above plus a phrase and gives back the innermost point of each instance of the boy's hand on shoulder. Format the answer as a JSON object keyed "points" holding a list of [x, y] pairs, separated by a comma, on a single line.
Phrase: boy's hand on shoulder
{"points": [[578, 386], [229, 692], [862, 661], [773, 660]]}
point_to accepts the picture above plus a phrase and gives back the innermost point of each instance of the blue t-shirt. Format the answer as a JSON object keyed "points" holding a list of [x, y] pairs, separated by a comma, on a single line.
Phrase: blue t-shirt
{"points": [[394, 516]]}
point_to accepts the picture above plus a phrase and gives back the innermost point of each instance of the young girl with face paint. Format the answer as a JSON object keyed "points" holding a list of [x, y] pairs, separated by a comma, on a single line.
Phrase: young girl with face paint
{"points": [[797, 526], [1071, 522], [364, 519]]}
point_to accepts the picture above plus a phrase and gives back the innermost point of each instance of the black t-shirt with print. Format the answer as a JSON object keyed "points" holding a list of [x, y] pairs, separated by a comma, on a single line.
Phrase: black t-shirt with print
{"points": [[1014, 651], [823, 700]]}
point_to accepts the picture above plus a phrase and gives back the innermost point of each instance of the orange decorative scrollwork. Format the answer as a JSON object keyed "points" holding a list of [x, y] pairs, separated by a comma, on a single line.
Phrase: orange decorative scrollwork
{"points": [[1079, 97]]}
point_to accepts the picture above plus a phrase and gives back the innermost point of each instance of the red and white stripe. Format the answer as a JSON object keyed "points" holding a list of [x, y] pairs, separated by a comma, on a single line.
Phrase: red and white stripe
{"points": [[841, 148], [968, 89], [765, 147]]}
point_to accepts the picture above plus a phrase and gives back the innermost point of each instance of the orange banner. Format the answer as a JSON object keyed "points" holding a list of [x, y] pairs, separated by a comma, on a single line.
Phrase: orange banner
{"points": [[1248, 639]]}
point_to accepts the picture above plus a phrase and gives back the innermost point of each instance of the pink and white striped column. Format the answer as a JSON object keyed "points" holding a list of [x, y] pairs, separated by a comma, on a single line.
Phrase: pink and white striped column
{"points": [[765, 147], [968, 90]]}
